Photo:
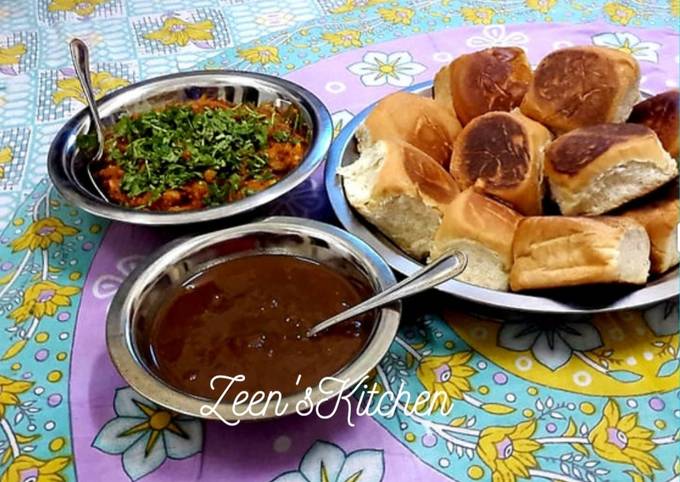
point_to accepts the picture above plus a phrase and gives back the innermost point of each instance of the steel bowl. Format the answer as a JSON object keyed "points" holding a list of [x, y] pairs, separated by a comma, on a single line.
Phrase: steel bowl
{"points": [[145, 290], [67, 166], [581, 300]]}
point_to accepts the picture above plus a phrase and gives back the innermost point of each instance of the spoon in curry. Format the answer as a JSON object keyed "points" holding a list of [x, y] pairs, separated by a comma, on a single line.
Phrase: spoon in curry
{"points": [[80, 56], [429, 276]]}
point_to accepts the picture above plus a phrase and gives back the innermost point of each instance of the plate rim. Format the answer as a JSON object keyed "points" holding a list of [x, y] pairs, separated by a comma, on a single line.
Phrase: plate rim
{"points": [[648, 295]]}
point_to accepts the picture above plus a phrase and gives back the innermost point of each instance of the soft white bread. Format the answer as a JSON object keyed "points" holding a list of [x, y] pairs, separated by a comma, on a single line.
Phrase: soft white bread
{"points": [[659, 214], [582, 86], [660, 113], [483, 229], [595, 169], [555, 251], [489, 80], [414, 119], [402, 191], [502, 154]]}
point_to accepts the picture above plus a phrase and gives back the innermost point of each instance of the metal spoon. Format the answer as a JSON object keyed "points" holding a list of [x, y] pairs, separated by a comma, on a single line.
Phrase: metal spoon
{"points": [[440, 270], [80, 56]]}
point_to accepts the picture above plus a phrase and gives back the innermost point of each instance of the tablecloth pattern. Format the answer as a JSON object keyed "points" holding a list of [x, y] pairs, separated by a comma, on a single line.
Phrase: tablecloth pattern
{"points": [[585, 399]]}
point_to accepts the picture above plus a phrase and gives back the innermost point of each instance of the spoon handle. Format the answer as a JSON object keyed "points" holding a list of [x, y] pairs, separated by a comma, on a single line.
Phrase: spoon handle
{"points": [[429, 276], [80, 56]]}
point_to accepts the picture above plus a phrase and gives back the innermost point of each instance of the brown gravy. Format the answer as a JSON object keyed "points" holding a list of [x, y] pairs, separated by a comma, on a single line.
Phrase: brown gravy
{"points": [[249, 316]]}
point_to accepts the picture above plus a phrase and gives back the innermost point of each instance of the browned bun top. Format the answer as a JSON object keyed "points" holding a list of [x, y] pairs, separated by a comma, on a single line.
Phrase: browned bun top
{"points": [[474, 216], [493, 147], [415, 119], [578, 86], [660, 113], [571, 152], [489, 80], [432, 179]]}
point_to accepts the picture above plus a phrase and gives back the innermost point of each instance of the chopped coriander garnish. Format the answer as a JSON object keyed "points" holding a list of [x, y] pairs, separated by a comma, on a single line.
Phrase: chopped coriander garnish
{"points": [[281, 136], [202, 149]]}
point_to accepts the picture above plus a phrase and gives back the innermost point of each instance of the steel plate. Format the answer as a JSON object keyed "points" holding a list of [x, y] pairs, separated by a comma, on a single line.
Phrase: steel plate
{"points": [[579, 300]]}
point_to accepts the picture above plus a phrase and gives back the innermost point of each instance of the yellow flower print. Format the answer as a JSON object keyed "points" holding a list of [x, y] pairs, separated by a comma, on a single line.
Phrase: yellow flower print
{"points": [[508, 451], [5, 155], [156, 420], [12, 55], [397, 15], [5, 158], [43, 298], [42, 233], [619, 13], [262, 54], [542, 6], [9, 389], [176, 31], [344, 38], [448, 374], [82, 8], [621, 439], [350, 5], [39, 470], [102, 84], [482, 15]]}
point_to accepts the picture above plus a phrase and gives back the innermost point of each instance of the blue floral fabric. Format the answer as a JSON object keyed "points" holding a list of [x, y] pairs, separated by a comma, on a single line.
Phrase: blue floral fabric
{"points": [[592, 400]]}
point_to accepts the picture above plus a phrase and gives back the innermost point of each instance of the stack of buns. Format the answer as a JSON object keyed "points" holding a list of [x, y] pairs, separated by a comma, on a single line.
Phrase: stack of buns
{"points": [[554, 177]]}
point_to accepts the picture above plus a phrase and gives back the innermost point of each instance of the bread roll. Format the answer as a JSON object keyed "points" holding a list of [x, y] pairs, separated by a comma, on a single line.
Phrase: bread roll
{"points": [[555, 251], [501, 154], [492, 79], [582, 86], [402, 191], [595, 169], [483, 229], [660, 113], [659, 214], [414, 119]]}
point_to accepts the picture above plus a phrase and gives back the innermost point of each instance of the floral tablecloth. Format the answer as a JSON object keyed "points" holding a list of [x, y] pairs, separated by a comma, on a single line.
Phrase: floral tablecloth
{"points": [[586, 399]]}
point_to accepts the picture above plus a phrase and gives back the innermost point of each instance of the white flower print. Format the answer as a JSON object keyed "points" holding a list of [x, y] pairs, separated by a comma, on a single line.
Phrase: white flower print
{"points": [[562, 44], [379, 68], [326, 462], [629, 43], [106, 285], [662, 319], [340, 120], [147, 435], [551, 344], [496, 36]]}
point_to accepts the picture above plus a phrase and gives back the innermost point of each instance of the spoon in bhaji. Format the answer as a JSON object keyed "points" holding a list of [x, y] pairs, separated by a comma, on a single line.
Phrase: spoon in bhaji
{"points": [[80, 56]]}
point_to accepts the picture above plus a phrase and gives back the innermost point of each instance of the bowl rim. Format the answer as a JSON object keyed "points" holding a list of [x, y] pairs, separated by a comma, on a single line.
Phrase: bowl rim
{"points": [[661, 290], [118, 322], [58, 163]]}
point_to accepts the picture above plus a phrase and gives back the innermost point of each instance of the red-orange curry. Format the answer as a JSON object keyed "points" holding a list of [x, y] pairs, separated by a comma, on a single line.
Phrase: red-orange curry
{"points": [[198, 154]]}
